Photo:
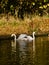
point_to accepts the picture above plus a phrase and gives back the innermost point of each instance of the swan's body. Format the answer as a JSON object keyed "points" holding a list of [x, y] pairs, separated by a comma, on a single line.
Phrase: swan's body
{"points": [[22, 37], [29, 38]]}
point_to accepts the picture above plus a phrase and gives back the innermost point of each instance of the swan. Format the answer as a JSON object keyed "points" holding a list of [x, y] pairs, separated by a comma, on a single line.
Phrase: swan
{"points": [[24, 37]]}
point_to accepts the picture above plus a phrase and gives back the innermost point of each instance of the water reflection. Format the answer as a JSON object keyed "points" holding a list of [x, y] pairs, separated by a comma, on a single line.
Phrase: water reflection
{"points": [[34, 53], [22, 52], [13, 45]]}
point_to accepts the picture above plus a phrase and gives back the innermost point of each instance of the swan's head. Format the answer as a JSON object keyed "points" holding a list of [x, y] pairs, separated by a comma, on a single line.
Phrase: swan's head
{"points": [[13, 35], [33, 33]]}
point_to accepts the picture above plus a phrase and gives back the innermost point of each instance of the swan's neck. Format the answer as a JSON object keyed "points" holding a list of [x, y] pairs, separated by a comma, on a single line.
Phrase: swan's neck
{"points": [[14, 37], [33, 36]]}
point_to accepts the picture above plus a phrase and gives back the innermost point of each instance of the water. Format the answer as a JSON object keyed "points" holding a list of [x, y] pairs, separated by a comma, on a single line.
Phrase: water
{"points": [[34, 53]]}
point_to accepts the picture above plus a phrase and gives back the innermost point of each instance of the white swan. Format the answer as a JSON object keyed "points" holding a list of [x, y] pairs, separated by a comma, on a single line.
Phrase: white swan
{"points": [[24, 37]]}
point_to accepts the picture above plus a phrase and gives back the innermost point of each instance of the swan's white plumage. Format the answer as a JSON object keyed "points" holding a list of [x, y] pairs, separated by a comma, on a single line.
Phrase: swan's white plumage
{"points": [[22, 36], [29, 38]]}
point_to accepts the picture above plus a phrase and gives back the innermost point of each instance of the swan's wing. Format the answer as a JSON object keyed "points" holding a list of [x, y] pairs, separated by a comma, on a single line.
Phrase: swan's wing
{"points": [[22, 36]]}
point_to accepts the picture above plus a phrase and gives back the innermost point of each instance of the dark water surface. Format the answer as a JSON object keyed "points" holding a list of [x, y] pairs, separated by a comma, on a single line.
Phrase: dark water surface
{"points": [[25, 53]]}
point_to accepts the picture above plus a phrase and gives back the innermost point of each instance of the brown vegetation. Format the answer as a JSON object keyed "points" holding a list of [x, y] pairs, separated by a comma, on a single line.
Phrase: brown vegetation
{"points": [[38, 24]]}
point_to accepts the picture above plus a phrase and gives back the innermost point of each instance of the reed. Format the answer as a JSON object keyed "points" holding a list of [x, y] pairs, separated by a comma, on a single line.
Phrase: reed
{"points": [[28, 25]]}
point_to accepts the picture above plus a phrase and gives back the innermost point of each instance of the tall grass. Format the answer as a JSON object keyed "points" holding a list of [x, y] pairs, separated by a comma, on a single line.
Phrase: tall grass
{"points": [[28, 25]]}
